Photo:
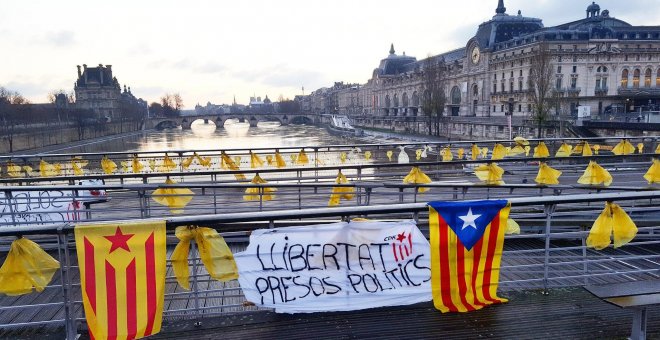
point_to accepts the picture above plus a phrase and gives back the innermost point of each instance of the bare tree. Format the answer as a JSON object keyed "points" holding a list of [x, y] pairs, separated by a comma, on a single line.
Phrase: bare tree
{"points": [[172, 104], [62, 102], [540, 83], [14, 111], [434, 98]]}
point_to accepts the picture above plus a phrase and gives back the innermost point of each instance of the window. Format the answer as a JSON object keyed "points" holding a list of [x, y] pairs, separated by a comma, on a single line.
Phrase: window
{"points": [[529, 107], [511, 86], [647, 78], [624, 78], [520, 85], [574, 83], [636, 78], [511, 74], [494, 108], [657, 78], [559, 59], [502, 108], [521, 73], [574, 69], [575, 59], [519, 108], [495, 88], [495, 76], [558, 83]]}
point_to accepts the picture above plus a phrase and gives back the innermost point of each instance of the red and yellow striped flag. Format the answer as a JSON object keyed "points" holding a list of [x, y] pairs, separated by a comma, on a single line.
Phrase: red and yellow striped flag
{"points": [[466, 252], [122, 273]]}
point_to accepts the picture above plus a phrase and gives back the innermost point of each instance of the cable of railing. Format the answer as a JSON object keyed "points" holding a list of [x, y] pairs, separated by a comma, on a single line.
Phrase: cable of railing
{"points": [[215, 219], [358, 167], [335, 146]]}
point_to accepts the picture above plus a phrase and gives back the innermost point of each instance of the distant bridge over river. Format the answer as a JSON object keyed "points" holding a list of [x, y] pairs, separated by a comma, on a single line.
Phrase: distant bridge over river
{"points": [[220, 119]]}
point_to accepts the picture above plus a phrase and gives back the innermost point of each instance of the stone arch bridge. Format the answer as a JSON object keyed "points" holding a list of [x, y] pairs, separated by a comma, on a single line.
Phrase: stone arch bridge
{"points": [[219, 120]]}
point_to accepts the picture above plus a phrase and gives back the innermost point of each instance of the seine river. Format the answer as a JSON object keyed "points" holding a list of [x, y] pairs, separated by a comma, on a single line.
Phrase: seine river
{"points": [[208, 136]]}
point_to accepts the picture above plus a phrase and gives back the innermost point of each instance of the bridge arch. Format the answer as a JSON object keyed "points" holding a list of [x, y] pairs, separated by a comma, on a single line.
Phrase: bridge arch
{"points": [[166, 124], [301, 120]]}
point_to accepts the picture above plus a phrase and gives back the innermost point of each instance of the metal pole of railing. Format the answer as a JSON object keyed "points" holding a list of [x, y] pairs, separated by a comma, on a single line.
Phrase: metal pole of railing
{"points": [[141, 199], [9, 197], [549, 209], [195, 255], [585, 264], [261, 198], [65, 278]]}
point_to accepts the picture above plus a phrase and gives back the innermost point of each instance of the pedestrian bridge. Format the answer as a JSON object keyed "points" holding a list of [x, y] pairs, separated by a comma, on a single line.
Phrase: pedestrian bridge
{"points": [[219, 120]]}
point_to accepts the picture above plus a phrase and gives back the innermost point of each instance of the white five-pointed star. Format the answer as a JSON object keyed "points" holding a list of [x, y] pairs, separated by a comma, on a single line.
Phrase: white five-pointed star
{"points": [[468, 220]]}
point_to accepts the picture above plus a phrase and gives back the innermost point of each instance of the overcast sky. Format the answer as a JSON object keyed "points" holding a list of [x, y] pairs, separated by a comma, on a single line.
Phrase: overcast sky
{"points": [[212, 50]]}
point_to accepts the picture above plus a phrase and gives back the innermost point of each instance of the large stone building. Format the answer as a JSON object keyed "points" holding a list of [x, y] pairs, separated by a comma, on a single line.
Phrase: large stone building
{"points": [[99, 91], [599, 62]]}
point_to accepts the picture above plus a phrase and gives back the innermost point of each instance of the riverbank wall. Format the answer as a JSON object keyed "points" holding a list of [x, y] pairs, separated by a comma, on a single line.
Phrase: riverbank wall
{"points": [[35, 138]]}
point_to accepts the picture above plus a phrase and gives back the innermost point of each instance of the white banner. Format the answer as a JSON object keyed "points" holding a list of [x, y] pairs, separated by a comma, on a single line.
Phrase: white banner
{"points": [[38, 207], [336, 267]]}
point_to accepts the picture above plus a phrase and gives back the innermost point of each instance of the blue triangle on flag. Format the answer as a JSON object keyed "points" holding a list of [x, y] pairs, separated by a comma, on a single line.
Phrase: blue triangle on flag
{"points": [[468, 219]]}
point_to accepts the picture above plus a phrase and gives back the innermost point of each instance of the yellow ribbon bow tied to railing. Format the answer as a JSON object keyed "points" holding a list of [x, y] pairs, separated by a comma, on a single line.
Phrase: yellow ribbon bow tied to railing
{"points": [[613, 221], [586, 150], [640, 147], [108, 166], [623, 148], [596, 148], [564, 150], [657, 149], [490, 173], [77, 165], [447, 156], [595, 174], [152, 164], [174, 198], [255, 161], [475, 152], [213, 251], [279, 160], [270, 160], [26, 266], [367, 155], [47, 170], [417, 176], [302, 158], [253, 193], [168, 164], [460, 153], [343, 192], [653, 174], [499, 152], [13, 170], [390, 153], [342, 157], [519, 148], [541, 151], [418, 154], [136, 165], [547, 175]]}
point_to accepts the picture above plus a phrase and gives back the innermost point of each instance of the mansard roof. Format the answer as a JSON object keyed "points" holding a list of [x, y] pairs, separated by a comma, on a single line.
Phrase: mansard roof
{"points": [[503, 27]]}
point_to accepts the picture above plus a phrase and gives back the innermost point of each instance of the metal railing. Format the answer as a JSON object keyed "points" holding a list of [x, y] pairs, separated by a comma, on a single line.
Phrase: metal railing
{"points": [[550, 252], [320, 156]]}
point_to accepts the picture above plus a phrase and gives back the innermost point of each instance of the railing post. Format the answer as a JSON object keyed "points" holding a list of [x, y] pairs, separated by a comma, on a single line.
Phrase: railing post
{"points": [[549, 210], [261, 198], [65, 278], [195, 290]]}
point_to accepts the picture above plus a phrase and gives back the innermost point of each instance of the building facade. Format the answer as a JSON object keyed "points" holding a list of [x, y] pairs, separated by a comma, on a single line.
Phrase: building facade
{"points": [[97, 90], [600, 63]]}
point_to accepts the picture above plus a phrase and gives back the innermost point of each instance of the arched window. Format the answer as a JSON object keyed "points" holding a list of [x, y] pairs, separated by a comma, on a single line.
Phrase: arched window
{"points": [[404, 99], [647, 77], [387, 101], [455, 96], [396, 100], [475, 90], [624, 78], [415, 99], [636, 78]]}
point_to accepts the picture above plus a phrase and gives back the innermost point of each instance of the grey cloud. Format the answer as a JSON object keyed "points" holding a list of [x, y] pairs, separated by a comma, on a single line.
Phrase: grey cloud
{"points": [[210, 67]]}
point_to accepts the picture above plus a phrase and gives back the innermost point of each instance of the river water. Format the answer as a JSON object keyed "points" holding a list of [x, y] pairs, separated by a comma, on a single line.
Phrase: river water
{"points": [[207, 136]]}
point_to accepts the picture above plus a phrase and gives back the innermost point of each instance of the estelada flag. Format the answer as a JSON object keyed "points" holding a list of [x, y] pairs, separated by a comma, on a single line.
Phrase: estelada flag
{"points": [[466, 252], [122, 273]]}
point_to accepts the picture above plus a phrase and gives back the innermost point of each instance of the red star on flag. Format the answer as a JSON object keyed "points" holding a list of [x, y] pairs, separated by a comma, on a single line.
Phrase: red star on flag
{"points": [[401, 237], [119, 240]]}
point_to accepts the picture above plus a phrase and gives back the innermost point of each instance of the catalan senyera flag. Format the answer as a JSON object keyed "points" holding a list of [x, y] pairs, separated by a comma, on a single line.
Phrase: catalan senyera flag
{"points": [[466, 252], [122, 272]]}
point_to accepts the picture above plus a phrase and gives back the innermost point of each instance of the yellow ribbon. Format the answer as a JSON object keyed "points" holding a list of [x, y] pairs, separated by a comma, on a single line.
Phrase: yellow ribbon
{"points": [[613, 221], [417, 176], [174, 198], [213, 251], [339, 193], [26, 266]]}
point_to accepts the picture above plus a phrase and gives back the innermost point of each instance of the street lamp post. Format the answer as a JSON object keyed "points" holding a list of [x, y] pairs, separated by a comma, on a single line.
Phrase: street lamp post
{"points": [[508, 116]]}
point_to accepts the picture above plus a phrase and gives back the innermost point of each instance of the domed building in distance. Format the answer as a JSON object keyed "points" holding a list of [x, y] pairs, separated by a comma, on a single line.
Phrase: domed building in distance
{"points": [[598, 62]]}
